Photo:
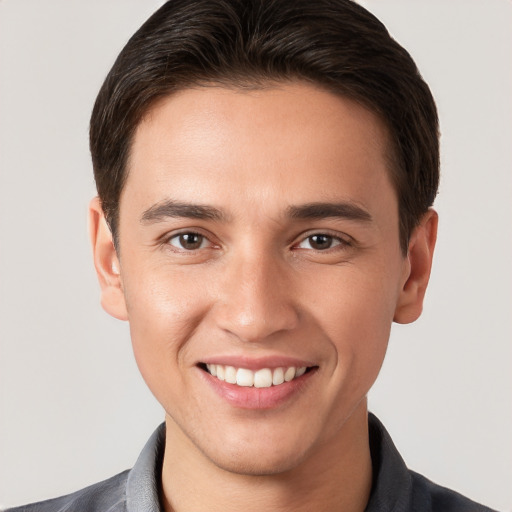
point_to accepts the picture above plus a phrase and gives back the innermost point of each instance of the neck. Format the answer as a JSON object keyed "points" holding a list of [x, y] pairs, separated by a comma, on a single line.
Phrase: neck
{"points": [[337, 476]]}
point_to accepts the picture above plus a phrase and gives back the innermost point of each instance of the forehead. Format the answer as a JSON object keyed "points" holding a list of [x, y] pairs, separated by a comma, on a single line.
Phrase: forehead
{"points": [[294, 138]]}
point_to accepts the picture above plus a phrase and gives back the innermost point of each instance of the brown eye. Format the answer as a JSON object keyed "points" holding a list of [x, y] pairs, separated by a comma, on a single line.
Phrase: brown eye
{"points": [[320, 242], [188, 241]]}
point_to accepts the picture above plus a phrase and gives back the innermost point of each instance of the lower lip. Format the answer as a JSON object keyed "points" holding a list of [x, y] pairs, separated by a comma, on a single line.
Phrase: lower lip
{"points": [[258, 398]]}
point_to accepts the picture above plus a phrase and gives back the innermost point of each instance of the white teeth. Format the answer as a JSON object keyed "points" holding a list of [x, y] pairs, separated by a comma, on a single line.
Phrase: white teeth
{"points": [[289, 374], [300, 371], [278, 377], [263, 378], [230, 375], [244, 377]]}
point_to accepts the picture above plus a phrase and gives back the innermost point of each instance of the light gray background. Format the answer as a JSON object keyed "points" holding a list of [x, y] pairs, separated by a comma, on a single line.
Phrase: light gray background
{"points": [[73, 408]]}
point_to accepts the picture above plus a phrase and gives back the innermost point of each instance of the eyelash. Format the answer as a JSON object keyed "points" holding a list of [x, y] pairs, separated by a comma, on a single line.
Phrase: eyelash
{"points": [[340, 243], [168, 239]]}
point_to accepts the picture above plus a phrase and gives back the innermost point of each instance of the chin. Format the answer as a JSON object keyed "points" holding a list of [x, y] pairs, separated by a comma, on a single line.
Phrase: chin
{"points": [[258, 452], [257, 464]]}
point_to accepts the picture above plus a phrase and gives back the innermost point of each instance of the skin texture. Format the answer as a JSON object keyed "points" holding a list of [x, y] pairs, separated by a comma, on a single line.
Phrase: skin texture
{"points": [[257, 288]]}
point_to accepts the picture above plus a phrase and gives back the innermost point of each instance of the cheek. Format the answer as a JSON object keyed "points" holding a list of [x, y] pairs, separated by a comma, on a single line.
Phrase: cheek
{"points": [[356, 317], [360, 339], [163, 297], [164, 309], [358, 300]]}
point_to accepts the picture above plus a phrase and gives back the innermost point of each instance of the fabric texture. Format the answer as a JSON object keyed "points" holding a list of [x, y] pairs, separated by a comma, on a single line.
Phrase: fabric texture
{"points": [[395, 488]]}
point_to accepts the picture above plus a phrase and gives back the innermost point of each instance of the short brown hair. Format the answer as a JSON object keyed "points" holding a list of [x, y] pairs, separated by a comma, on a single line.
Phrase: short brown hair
{"points": [[336, 44]]}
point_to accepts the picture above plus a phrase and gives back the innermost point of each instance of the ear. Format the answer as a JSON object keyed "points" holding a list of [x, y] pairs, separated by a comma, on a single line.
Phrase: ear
{"points": [[106, 262], [419, 264]]}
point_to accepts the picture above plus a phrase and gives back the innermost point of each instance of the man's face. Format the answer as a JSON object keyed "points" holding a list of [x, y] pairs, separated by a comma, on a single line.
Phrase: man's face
{"points": [[259, 232]]}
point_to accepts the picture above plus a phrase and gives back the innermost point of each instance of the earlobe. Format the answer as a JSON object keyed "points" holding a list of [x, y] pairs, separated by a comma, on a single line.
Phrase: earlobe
{"points": [[106, 262], [419, 256]]}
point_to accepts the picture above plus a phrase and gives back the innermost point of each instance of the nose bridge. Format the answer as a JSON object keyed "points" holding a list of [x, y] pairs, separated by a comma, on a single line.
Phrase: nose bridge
{"points": [[258, 298]]}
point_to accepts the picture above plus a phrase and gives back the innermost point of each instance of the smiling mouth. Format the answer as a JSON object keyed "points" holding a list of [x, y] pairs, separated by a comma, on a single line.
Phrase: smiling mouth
{"points": [[262, 378]]}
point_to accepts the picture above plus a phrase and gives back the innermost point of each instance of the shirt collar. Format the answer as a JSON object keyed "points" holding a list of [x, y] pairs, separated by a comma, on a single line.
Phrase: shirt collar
{"points": [[391, 489], [392, 484], [143, 484]]}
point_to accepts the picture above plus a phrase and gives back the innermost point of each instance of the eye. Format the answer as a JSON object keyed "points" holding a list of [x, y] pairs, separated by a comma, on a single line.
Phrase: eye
{"points": [[320, 242], [189, 241]]}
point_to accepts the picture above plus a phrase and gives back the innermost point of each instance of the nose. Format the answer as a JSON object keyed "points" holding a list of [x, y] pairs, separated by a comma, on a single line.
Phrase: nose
{"points": [[257, 299]]}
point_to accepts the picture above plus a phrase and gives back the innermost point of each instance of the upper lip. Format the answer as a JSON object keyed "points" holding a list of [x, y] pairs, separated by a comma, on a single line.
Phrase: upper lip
{"points": [[256, 363]]}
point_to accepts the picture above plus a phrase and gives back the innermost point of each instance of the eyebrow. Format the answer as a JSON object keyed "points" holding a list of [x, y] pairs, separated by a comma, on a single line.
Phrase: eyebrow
{"points": [[321, 210], [170, 208]]}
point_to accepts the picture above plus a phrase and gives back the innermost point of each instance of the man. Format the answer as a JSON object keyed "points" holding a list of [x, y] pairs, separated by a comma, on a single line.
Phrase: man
{"points": [[265, 173]]}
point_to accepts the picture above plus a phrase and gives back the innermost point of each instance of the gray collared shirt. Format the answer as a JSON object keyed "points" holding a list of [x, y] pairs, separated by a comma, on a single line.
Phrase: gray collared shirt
{"points": [[395, 488]]}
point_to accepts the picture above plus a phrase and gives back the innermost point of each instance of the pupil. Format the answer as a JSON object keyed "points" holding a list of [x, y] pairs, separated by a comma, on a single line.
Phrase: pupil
{"points": [[191, 240], [321, 241]]}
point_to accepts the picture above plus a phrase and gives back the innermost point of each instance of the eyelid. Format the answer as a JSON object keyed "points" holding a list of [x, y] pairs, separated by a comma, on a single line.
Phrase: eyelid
{"points": [[167, 237], [202, 245], [344, 239]]}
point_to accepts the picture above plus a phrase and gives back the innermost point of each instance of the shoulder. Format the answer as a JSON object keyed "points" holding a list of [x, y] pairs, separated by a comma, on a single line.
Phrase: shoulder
{"points": [[138, 487], [396, 488], [440, 499], [106, 496]]}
